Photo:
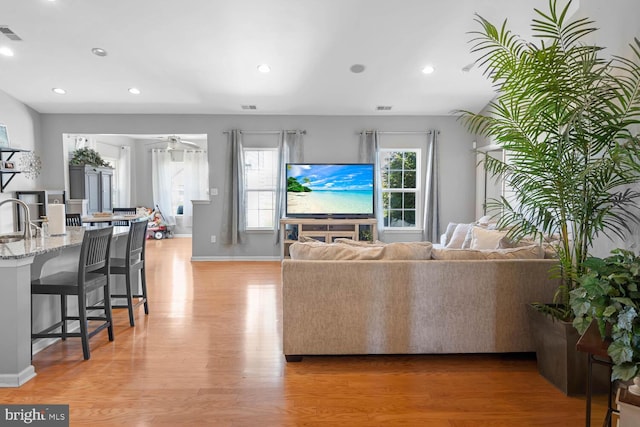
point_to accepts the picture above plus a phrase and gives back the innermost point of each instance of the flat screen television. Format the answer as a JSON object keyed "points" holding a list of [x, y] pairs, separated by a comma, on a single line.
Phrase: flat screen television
{"points": [[322, 190]]}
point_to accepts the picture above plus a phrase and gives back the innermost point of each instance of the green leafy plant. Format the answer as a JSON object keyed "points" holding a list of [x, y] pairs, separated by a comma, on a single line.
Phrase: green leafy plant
{"points": [[608, 293], [87, 156], [563, 115]]}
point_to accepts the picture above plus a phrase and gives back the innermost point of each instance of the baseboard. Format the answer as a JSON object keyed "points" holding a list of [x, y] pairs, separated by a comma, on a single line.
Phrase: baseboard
{"points": [[234, 258]]}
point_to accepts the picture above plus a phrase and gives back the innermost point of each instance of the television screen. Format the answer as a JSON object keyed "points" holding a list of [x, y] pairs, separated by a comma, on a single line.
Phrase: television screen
{"points": [[330, 189]]}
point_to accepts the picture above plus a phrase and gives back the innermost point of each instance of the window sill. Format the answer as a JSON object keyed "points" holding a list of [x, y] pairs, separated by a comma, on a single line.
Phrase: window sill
{"points": [[402, 230]]}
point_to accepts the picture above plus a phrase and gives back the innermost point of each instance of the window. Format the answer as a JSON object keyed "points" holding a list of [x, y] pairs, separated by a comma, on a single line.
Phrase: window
{"points": [[177, 188], [400, 170], [260, 181]]}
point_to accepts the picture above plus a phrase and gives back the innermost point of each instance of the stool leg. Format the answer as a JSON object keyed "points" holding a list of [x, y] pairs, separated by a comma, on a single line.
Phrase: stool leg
{"points": [[143, 281], [107, 309], [129, 297], [63, 315], [84, 334]]}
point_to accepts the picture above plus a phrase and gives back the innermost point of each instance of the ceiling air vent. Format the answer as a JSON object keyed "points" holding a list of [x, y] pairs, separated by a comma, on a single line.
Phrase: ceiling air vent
{"points": [[249, 107], [9, 33], [383, 108]]}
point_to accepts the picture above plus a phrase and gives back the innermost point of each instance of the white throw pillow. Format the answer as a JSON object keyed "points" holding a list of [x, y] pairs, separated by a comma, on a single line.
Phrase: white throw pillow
{"points": [[481, 238], [451, 227], [458, 237]]}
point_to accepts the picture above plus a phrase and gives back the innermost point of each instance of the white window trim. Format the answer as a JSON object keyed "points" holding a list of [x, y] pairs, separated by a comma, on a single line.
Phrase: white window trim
{"points": [[418, 190], [274, 190]]}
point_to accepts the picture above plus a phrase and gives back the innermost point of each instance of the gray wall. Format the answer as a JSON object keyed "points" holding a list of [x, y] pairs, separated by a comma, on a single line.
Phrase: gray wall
{"points": [[23, 126], [328, 139]]}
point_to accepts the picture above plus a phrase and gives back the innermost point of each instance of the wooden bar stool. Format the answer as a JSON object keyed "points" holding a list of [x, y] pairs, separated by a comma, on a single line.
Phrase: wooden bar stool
{"points": [[129, 266], [92, 274]]}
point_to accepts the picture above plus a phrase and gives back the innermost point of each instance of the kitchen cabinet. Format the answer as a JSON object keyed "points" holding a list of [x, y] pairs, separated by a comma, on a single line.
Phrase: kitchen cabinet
{"points": [[94, 184]]}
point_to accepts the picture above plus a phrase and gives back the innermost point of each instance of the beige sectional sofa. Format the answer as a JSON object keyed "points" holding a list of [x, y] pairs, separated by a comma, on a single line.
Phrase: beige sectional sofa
{"points": [[333, 307]]}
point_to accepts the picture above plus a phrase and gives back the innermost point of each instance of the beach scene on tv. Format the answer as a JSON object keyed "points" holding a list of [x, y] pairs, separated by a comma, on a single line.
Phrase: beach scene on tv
{"points": [[330, 189]]}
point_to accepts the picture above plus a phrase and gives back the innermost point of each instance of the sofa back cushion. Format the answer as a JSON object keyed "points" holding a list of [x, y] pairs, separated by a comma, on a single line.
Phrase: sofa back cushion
{"points": [[343, 251], [525, 252]]}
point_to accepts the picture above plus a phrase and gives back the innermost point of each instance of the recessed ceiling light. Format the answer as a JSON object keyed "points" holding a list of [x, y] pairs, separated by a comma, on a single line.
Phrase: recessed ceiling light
{"points": [[264, 68], [428, 69], [134, 91], [98, 51], [59, 91], [357, 68], [6, 51]]}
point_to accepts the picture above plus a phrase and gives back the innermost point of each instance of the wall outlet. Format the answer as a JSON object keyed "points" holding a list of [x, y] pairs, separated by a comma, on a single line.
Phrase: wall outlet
{"points": [[213, 238], [214, 191]]}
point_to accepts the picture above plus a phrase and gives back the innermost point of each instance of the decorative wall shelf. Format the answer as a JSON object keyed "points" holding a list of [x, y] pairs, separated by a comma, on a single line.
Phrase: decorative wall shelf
{"points": [[6, 175]]}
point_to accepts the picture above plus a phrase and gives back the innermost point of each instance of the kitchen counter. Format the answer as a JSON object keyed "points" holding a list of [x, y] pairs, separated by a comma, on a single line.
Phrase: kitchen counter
{"points": [[21, 262], [40, 245]]}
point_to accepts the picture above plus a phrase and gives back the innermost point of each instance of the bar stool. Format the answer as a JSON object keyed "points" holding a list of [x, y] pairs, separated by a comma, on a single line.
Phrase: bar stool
{"points": [[129, 266], [123, 211], [92, 274], [73, 220]]}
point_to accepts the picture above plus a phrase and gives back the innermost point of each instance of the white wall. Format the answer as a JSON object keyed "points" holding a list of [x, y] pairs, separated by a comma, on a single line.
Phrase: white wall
{"points": [[328, 139], [23, 125]]}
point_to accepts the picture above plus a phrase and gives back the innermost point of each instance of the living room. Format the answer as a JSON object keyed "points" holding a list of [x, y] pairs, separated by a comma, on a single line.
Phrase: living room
{"points": [[332, 130]]}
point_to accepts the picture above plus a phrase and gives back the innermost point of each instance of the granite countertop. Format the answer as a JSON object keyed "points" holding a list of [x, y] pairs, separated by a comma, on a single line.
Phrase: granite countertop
{"points": [[40, 245]]}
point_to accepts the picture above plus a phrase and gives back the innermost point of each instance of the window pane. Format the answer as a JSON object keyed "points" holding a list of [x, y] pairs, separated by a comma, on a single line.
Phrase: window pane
{"points": [[395, 179], [410, 218], [410, 160], [396, 200], [410, 200], [409, 180]]}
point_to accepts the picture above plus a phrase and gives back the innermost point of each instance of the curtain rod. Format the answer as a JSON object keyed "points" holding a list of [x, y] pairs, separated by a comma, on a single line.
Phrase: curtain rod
{"points": [[402, 132], [249, 132]]}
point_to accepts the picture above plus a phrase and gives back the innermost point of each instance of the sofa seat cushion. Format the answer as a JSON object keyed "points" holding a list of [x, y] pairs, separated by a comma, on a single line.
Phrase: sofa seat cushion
{"points": [[342, 251], [525, 252]]}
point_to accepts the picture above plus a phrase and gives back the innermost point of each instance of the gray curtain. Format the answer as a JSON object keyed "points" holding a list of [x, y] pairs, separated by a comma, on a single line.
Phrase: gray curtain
{"points": [[234, 223], [368, 153], [290, 150], [431, 225]]}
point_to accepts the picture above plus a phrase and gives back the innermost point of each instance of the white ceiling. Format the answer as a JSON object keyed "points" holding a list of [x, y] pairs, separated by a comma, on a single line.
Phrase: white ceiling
{"points": [[200, 56]]}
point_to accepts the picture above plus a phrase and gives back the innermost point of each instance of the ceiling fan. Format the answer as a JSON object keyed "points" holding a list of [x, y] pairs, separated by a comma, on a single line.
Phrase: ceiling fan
{"points": [[175, 142]]}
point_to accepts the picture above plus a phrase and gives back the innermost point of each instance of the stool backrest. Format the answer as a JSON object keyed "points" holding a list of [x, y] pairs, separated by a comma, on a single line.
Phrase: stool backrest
{"points": [[94, 253], [74, 220], [136, 241], [123, 211]]}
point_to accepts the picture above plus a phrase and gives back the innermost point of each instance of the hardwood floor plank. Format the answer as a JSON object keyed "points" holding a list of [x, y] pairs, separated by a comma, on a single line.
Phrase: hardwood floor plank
{"points": [[210, 354]]}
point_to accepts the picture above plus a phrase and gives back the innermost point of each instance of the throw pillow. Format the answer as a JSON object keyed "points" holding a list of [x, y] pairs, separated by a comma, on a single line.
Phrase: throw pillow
{"points": [[451, 227], [481, 238], [459, 236]]}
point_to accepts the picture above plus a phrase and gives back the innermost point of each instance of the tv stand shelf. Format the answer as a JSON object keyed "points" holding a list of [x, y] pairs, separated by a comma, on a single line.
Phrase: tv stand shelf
{"points": [[325, 230]]}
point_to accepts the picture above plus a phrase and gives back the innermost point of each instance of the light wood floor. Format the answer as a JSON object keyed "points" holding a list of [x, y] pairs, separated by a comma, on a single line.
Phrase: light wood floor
{"points": [[209, 354]]}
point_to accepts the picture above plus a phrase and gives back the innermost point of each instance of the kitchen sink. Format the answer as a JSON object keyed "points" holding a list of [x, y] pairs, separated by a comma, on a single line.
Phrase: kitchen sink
{"points": [[8, 238]]}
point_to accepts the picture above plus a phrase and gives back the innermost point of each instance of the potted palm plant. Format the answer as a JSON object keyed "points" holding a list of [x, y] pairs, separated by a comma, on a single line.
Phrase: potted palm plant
{"points": [[564, 115]]}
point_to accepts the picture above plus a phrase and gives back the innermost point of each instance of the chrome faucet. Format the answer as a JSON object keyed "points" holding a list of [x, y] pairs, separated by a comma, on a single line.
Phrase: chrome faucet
{"points": [[28, 234]]}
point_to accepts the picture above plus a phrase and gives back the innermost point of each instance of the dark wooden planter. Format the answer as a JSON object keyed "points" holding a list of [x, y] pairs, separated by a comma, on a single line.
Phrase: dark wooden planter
{"points": [[558, 359]]}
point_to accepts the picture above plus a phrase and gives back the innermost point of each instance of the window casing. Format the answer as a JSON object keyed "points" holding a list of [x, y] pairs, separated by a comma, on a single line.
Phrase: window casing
{"points": [[400, 185], [260, 182]]}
